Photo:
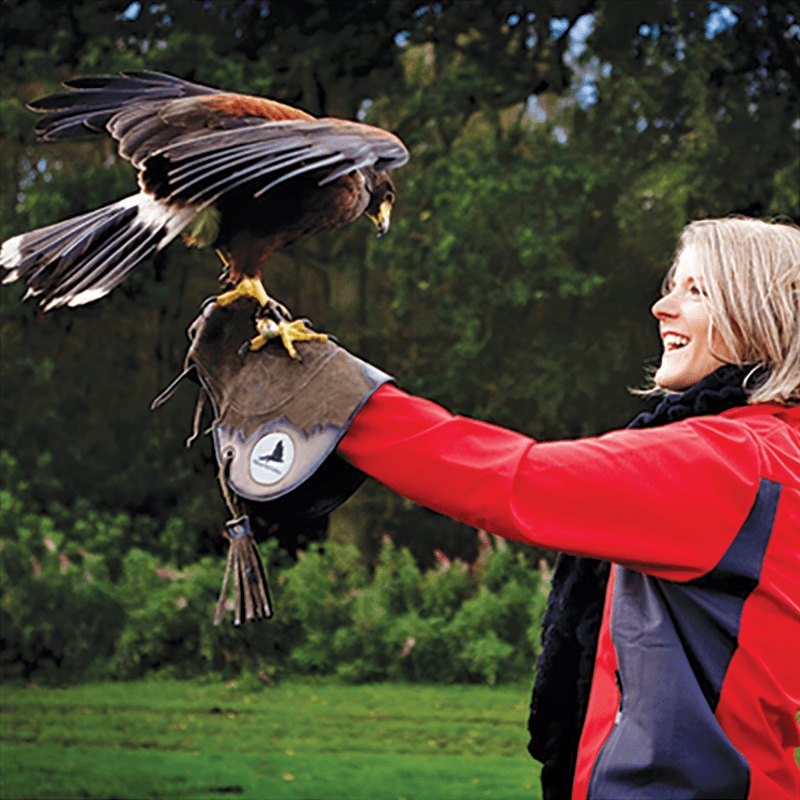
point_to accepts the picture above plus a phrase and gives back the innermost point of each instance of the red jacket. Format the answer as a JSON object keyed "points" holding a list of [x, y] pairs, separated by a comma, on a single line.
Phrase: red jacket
{"points": [[702, 521]]}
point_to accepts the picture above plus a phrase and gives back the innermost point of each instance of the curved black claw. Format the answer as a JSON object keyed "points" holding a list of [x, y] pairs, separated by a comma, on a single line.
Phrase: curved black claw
{"points": [[276, 310]]}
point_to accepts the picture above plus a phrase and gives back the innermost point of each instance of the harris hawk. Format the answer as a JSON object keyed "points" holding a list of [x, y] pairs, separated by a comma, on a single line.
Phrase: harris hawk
{"points": [[243, 174]]}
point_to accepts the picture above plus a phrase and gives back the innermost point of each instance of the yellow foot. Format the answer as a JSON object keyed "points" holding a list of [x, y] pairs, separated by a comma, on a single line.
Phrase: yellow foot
{"points": [[289, 332], [247, 287]]}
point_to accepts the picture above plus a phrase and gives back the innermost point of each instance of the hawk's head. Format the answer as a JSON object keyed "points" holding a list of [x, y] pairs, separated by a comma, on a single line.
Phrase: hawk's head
{"points": [[378, 183]]}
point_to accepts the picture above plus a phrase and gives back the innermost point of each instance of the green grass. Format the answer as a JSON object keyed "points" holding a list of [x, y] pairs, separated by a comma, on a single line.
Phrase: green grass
{"points": [[293, 741]]}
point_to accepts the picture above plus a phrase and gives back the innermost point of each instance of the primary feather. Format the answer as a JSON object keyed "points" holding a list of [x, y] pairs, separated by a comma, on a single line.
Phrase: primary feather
{"points": [[264, 172]]}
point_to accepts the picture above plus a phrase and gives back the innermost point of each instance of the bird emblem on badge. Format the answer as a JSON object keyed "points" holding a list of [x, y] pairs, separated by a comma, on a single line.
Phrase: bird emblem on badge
{"points": [[275, 455]]}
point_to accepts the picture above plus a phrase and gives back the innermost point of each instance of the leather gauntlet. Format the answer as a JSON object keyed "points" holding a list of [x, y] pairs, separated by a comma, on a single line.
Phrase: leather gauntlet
{"points": [[277, 421]]}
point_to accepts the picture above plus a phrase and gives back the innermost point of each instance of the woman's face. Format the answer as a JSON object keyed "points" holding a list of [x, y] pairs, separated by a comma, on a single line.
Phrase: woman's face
{"points": [[684, 319]]}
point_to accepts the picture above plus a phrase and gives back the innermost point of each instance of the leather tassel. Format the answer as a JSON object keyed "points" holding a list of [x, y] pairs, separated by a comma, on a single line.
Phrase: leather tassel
{"points": [[251, 594]]}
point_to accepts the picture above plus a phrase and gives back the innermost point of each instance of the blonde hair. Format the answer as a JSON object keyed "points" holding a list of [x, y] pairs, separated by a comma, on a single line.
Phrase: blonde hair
{"points": [[751, 275]]}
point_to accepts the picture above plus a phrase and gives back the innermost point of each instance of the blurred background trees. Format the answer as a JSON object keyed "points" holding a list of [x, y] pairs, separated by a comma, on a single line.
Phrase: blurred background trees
{"points": [[558, 147]]}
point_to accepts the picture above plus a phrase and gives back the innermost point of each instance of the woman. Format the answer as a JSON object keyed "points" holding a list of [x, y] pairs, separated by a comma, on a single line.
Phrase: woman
{"points": [[673, 672]]}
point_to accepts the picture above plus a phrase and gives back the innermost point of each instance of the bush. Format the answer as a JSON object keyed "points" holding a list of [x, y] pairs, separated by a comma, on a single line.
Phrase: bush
{"points": [[456, 623], [59, 619], [83, 599]]}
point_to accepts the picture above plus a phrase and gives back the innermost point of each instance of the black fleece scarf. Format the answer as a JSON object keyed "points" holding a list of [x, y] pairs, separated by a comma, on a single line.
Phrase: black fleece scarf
{"points": [[575, 606]]}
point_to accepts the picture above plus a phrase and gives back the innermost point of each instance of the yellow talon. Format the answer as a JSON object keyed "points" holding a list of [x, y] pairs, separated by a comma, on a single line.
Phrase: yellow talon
{"points": [[247, 287], [289, 332]]}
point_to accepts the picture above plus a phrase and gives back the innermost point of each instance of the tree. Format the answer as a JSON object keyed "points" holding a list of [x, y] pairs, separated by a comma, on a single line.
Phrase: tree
{"points": [[528, 243]]}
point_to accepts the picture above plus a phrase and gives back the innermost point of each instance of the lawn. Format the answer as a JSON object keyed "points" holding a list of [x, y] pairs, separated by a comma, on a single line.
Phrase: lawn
{"points": [[291, 741]]}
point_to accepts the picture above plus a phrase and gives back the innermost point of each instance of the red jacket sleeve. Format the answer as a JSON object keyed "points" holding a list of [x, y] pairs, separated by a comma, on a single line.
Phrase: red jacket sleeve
{"points": [[667, 501]]}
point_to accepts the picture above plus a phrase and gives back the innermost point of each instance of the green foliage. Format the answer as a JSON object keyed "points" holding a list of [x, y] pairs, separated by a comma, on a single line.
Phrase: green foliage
{"points": [[59, 622], [58, 615], [445, 625], [70, 613], [492, 245], [691, 113]]}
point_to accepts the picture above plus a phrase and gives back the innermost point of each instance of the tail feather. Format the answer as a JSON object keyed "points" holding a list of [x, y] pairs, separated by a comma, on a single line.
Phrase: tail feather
{"points": [[55, 257], [84, 258], [19, 258], [106, 275], [104, 260]]}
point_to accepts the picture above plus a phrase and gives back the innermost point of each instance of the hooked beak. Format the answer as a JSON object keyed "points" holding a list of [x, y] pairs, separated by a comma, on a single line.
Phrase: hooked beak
{"points": [[381, 219]]}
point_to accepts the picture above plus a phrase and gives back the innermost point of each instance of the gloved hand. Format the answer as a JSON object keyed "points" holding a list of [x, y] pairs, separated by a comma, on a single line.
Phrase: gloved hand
{"points": [[277, 423]]}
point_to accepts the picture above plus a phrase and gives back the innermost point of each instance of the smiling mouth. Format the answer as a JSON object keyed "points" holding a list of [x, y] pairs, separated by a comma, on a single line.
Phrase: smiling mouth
{"points": [[674, 341]]}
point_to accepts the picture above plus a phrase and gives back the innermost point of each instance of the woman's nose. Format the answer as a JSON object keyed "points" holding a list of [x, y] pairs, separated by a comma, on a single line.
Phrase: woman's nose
{"points": [[664, 308]]}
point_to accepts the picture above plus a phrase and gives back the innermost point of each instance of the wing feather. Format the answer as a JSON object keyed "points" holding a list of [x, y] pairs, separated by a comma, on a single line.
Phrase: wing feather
{"points": [[218, 161], [212, 142], [107, 94], [309, 166], [142, 136], [230, 181]]}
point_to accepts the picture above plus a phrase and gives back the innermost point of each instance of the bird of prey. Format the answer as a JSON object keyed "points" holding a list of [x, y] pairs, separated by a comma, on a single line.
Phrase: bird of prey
{"points": [[243, 174]]}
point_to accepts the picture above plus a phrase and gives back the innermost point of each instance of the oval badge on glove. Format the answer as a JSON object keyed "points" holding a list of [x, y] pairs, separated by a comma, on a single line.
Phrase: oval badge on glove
{"points": [[271, 458]]}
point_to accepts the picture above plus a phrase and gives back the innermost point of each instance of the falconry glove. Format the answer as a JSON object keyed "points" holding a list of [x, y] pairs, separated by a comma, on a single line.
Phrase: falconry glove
{"points": [[277, 421]]}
